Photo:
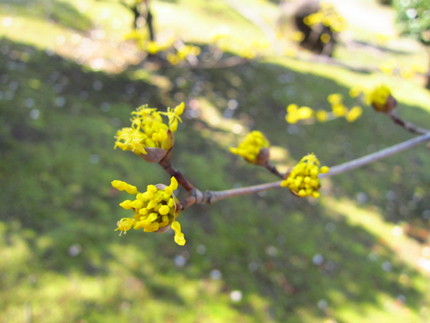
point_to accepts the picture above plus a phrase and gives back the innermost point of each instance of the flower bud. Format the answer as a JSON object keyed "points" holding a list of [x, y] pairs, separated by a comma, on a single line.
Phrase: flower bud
{"points": [[381, 99], [303, 179], [254, 148]]}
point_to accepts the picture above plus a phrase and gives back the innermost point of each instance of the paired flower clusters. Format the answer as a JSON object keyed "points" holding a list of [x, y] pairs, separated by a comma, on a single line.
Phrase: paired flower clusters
{"points": [[303, 179], [155, 210], [149, 130], [253, 148], [338, 109]]}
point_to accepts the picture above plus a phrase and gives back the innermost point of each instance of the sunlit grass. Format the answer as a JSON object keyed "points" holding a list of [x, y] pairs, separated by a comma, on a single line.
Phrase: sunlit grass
{"points": [[266, 258]]}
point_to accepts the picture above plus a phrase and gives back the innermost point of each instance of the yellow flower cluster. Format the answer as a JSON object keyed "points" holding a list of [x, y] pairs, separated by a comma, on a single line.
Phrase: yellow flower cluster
{"points": [[338, 109], [182, 53], [154, 210], [142, 41], [328, 17], [153, 47], [379, 94], [303, 179], [296, 113], [356, 91], [379, 98], [148, 129], [251, 146]]}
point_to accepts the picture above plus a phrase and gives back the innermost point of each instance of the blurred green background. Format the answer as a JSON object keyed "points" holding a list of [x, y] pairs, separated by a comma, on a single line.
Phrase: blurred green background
{"points": [[69, 80]]}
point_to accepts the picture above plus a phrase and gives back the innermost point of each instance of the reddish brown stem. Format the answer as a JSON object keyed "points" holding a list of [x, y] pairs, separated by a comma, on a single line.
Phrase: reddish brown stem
{"points": [[182, 180], [407, 125], [272, 168]]}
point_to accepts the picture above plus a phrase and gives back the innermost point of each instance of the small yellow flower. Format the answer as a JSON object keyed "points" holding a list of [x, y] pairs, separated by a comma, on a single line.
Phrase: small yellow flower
{"points": [[148, 130], [179, 236], [124, 225], [292, 108], [355, 91], [303, 179], [354, 114], [153, 47], [154, 210], [251, 146], [339, 110], [321, 115], [296, 113], [123, 186], [304, 113], [314, 19], [335, 98]]}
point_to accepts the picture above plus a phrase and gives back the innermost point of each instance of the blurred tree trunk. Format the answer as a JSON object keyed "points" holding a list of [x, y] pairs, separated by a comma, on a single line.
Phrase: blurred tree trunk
{"points": [[149, 21], [141, 11]]}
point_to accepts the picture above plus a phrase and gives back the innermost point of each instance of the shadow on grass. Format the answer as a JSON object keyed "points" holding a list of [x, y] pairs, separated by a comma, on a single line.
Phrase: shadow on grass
{"points": [[301, 259], [287, 257]]}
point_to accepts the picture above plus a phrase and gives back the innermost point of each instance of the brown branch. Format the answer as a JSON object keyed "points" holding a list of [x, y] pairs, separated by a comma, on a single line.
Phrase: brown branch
{"points": [[407, 125], [272, 168], [182, 180]]}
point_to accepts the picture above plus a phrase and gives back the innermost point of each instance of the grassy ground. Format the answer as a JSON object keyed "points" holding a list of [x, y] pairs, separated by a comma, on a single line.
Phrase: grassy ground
{"points": [[66, 86]]}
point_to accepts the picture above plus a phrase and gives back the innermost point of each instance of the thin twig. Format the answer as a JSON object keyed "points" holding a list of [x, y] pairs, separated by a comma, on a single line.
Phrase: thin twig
{"points": [[208, 197], [182, 180], [407, 125], [272, 168], [345, 167], [213, 197]]}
